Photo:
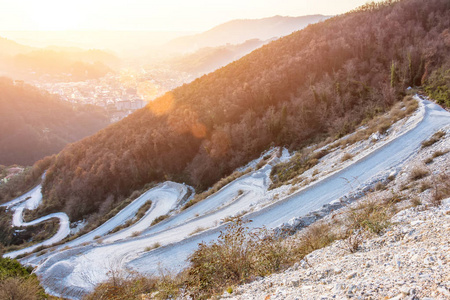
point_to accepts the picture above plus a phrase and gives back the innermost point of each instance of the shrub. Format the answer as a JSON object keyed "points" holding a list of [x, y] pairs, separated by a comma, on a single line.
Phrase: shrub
{"points": [[346, 157], [369, 216], [220, 184], [415, 201], [428, 160], [441, 189], [438, 86], [320, 154], [380, 186], [17, 282], [238, 255], [159, 219], [436, 137], [315, 237], [300, 163], [197, 230], [418, 172], [383, 127], [440, 153], [154, 246]]}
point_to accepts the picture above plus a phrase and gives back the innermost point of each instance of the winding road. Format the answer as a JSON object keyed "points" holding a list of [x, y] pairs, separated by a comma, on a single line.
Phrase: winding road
{"points": [[167, 245], [31, 200]]}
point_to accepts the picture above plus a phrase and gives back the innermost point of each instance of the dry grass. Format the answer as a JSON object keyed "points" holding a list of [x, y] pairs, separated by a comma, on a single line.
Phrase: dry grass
{"points": [[441, 189], [306, 158], [425, 185], [139, 215], [346, 157], [415, 201], [418, 172], [435, 154], [220, 184], [154, 246], [197, 230], [159, 219], [20, 289], [380, 186], [132, 286], [428, 160], [240, 254], [369, 216], [300, 163], [436, 137]]}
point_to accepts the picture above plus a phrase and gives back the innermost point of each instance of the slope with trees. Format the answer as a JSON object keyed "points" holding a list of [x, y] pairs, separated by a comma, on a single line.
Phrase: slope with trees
{"points": [[318, 82], [34, 124]]}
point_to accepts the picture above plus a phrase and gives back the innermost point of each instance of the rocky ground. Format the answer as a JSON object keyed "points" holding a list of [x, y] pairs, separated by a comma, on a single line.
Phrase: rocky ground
{"points": [[408, 260]]}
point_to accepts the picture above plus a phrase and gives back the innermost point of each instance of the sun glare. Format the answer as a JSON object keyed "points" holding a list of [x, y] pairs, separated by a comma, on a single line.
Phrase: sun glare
{"points": [[54, 15]]}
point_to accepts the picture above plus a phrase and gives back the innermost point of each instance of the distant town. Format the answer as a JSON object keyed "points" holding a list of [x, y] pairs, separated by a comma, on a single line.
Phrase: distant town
{"points": [[119, 94]]}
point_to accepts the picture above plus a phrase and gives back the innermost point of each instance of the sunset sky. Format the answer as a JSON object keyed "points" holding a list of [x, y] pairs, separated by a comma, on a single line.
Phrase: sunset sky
{"points": [[155, 15]]}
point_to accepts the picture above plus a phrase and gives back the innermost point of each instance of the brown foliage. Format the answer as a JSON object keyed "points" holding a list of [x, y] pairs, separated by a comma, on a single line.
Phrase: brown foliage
{"points": [[34, 124], [324, 79]]}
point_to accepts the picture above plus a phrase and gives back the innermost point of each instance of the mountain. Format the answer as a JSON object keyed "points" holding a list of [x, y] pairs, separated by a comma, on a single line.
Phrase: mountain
{"points": [[209, 59], [239, 31], [34, 124], [11, 48], [319, 82], [19, 61]]}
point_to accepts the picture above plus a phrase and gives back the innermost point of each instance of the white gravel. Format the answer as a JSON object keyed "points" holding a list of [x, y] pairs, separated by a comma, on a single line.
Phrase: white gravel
{"points": [[75, 271]]}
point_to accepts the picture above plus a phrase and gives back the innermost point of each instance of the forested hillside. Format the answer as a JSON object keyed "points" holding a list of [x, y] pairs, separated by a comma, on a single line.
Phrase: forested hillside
{"points": [[321, 81], [34, 124], [208, 59]]}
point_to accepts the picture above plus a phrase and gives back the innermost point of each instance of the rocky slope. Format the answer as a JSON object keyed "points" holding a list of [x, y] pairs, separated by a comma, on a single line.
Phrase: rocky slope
{"points": [[408, 260]]}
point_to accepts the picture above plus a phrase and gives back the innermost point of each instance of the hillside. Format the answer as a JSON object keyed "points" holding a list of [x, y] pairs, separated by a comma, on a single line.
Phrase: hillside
{"points": [[239, 31], [208, 59], [401, 230], [24, 62], [318, 82], [34, 124], [11, 48]]}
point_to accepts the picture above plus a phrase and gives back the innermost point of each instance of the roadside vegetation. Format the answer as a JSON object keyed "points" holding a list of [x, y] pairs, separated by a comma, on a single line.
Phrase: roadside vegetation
{"points": [[17, 282], [25, 181], [217, 186], [139, 215], [308, 157], [15, 238], [438, 83], [241, 255], [95, 221], [436, 137], [320, 81]]}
